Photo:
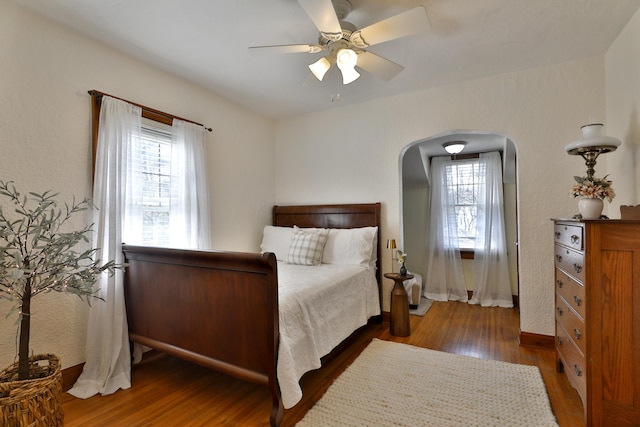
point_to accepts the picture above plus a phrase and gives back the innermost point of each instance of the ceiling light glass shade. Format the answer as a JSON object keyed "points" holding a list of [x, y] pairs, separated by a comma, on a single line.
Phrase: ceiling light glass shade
{"points": [[347, 60], [320, 68], [454, 147], [349, 75], [592, 140]]}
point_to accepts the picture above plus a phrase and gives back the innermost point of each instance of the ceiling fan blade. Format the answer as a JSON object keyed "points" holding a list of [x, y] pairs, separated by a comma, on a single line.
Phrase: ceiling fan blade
{"points": [[287, 48], [378, 66], [323, 16], [404, 24]]}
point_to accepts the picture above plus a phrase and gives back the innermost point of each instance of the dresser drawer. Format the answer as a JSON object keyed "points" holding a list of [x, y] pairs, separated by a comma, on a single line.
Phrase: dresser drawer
{"points": [[571, 291], [573, 324], [569, 235], [570, 261], [572, 360]]}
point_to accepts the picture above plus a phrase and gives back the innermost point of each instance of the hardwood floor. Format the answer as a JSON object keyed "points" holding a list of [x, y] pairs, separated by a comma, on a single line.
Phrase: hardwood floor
{"points": [[169, 392]]}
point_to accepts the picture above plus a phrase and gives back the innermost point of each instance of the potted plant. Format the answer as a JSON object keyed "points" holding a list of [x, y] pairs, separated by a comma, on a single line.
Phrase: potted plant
{"points": [[38, 254]]}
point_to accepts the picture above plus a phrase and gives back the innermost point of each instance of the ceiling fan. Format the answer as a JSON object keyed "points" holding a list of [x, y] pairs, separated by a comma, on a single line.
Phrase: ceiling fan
{"points": [[346, 46]]}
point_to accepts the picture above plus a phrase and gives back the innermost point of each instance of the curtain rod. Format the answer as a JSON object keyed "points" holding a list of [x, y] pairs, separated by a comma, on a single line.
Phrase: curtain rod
{"points": [[98, 94]]}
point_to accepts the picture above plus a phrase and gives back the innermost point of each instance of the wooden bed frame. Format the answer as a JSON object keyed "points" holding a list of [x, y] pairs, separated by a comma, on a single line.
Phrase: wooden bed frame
{"points": [[220, 309]]}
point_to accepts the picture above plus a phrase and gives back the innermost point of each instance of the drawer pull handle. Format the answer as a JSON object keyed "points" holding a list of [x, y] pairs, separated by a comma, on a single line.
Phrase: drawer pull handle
{"points": [[577, 300], [559, 310], [577, 268], [559, 283], [558, 234], [577, 370], [577, 333], [575, 239], [559, 258], [559, 340]]}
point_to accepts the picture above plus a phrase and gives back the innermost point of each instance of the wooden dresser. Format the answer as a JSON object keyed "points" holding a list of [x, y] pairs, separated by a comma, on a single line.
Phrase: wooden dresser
{"points": [[597, 283]]}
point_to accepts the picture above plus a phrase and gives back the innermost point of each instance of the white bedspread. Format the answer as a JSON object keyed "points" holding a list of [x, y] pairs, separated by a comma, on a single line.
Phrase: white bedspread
{"points": [[320, 306]]}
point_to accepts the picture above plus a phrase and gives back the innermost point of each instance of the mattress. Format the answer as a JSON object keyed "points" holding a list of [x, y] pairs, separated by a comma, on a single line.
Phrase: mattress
{"points": [[320, 306]]}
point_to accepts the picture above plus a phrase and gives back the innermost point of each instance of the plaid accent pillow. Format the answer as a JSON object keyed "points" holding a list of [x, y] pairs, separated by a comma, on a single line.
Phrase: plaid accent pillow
{"points": [[307, 246]]}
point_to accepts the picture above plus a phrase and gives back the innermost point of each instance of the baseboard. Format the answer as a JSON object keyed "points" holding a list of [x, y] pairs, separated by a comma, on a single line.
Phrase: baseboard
{"points": [[546, 342], [516, 299], [70, 375]]}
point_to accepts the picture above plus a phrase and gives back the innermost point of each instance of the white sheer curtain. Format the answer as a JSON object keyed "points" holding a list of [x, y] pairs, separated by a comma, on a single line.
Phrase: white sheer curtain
{"points": [[108, 360], [443, 277], [492, 285], [117, 193], [189, 211]]}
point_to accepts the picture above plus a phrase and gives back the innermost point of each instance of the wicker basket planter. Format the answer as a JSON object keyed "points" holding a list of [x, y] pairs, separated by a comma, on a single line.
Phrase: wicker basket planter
{"points": [[36, 402]]}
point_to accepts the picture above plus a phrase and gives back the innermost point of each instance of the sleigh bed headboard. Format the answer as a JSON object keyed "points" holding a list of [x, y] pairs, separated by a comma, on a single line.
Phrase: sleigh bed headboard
{"points": [[332, 216]]}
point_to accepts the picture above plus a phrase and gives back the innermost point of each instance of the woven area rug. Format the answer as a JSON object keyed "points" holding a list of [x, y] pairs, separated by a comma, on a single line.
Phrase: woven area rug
{"points": [[392, 384], [423, 307]]}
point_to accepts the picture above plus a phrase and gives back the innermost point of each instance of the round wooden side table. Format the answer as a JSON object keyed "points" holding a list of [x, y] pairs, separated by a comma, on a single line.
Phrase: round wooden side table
{"points": [[399, 322]]}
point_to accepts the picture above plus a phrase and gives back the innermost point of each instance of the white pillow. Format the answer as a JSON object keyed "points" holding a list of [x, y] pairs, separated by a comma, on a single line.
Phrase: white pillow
{"points": [[307, 246], [352, 246], [277, 240], [374, 251]]}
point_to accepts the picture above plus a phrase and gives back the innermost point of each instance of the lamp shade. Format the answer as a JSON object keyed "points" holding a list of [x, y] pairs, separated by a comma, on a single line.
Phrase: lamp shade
{"points": [[454, 147], [391, 244], [592, 140], [320, 68], [346, 59]]}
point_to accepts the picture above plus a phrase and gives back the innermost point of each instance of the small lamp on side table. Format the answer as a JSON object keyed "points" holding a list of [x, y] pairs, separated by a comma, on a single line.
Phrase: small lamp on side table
{"points": [[391, 244]]}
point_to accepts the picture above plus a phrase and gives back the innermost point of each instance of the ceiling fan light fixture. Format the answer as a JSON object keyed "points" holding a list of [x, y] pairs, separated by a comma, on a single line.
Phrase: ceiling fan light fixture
{"points": [[320, 67], [454, 147], [346, 59], [349, 75]]}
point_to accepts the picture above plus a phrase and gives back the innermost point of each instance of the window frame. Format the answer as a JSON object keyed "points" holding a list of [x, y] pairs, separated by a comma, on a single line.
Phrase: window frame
{"points": [[155, 116], [159, 138], [466, 253], [147, 113]]}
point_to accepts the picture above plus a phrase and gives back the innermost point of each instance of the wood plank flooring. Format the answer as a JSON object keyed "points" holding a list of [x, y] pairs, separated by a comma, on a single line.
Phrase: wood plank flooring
{"points": [[169, 392]]}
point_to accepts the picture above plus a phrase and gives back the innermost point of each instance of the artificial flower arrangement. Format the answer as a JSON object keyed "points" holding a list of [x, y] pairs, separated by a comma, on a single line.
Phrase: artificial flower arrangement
{"points": [[593, 188], [402, 258]]}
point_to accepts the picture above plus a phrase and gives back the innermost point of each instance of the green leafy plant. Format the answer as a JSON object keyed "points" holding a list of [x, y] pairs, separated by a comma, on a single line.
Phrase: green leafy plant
{"points": [[38, 255]]}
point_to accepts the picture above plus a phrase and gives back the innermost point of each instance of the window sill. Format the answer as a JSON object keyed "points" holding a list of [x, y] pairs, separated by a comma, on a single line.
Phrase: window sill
{"points": [[466, 254]]}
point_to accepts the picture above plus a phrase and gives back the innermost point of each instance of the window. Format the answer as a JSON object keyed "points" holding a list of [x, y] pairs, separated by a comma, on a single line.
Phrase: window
{"points": [[151, 169], [152, 176], [465, 177]]}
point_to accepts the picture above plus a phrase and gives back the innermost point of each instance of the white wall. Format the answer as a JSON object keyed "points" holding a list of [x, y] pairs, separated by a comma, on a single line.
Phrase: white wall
{"points": [[623, 115], [45, 121], [351, 154], [347, 154]]}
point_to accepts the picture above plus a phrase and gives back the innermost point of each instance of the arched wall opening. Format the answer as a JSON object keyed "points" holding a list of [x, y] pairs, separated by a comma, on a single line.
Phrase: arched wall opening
{"points": [[413, 168]]}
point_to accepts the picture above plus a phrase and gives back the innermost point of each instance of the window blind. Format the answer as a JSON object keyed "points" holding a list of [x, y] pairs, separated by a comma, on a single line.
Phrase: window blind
{"points": [[151, 169], [465, 177]]}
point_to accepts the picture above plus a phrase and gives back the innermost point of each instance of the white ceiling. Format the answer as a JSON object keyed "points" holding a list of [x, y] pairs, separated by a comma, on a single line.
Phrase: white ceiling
{"points": [[206, 41]]}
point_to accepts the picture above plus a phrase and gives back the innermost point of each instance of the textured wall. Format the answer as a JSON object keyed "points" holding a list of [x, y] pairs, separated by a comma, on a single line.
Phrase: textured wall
{"points": [[45, 121], [345, 154], [351, 154], [623, 115]]}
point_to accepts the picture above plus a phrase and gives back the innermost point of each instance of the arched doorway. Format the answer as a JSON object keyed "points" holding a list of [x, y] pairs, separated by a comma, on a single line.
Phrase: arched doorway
{"points": [[415, 189]]}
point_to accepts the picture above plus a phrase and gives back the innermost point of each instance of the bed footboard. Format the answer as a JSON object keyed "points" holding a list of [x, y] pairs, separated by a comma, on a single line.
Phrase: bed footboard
{"points": [[216, 309]]}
